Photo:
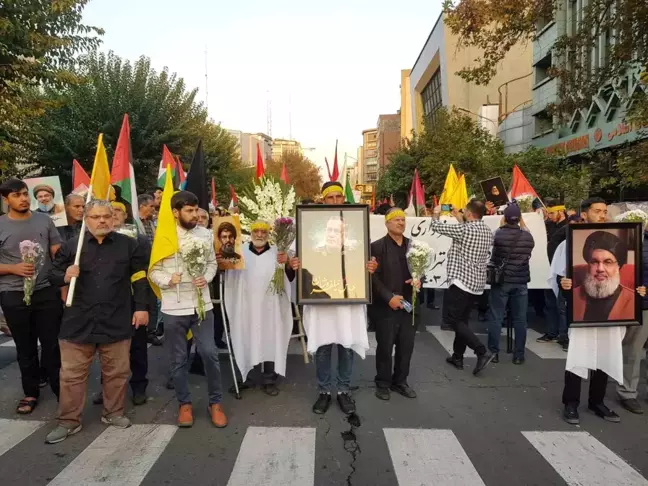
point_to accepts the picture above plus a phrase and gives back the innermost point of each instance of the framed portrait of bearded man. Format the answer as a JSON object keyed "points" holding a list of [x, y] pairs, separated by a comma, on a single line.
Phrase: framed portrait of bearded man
{"points": [[604, 264], [333, 247], [227, 242]]}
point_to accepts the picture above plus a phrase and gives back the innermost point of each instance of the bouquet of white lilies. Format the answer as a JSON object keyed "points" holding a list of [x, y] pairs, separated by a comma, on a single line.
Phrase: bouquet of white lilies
{"points": [[194, 256]]}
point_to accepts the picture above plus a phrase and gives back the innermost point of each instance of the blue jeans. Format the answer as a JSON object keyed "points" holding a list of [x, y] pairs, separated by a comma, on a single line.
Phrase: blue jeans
{"points": [[176, 328], [556, 315], [500, 296], [323, 368]]}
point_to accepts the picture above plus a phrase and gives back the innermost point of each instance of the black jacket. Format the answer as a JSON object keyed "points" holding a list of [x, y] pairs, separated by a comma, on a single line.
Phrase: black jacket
{"points": [[517, 244], [556, 239]]}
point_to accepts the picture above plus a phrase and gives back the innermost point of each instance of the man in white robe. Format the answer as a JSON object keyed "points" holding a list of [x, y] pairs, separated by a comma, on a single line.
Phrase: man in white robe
{"points": [[260, 319], [344, 326], [597, 349]]}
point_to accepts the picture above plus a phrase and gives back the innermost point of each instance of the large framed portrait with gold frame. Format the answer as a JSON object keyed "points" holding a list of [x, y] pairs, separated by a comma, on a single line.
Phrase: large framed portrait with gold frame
{"points": [[333, 247]]}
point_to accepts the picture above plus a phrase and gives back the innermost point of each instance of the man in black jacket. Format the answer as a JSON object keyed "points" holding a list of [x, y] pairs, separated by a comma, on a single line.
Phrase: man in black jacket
{"points": [[512, 249], [392, 286]]}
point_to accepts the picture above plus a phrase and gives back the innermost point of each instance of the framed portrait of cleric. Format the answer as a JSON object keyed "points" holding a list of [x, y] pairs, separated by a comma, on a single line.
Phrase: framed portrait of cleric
{"points": [[494, 191], [47, 198], [333, 247], [604, 264], [227, 242]]}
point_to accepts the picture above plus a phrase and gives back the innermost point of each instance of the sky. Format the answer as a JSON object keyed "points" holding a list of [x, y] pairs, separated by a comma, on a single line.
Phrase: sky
{"points": [[328, 68]]}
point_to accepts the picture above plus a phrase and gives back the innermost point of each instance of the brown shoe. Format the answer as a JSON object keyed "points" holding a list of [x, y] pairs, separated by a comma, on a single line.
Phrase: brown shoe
{"points": [[218, 417], [185, 415]]}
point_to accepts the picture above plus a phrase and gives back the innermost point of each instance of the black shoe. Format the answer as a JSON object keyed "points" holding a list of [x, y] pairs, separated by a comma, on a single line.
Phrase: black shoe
{"points": [[270, 389], [221, 344], [404, 390], [346, 403], [495, 358], [246, 385], [546, 338], [159, 332], [139, 399], [456, 362], [169, 384], [98, 399], [570, 414], [383, 393], [322, 404], [154, 340], [601, 410], [518, 361], [43, 383], [632, 405], [482, 362], [564, 345]]}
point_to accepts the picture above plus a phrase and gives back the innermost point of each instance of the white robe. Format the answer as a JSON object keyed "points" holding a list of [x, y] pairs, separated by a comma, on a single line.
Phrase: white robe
{"points": [[337, 324], [590, 348], [260, 321]]}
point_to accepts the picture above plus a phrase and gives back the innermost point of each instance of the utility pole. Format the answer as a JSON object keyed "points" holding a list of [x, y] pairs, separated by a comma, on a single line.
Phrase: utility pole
{"points": [[206, 82], [269, 115], [290, 117]]}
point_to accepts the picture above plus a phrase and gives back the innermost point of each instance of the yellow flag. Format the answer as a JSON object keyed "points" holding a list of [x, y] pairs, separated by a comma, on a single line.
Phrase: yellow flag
{"points": [[449, 187], [165, 243], [100, 178], [459, 198]]}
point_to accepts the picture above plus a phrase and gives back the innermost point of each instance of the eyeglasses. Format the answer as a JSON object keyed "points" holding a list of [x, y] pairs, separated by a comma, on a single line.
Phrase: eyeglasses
{"points": [[606, 263]]}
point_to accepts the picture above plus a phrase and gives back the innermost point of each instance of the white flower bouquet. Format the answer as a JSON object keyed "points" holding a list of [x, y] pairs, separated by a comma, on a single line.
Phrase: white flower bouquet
{"points": [[194, 256], [129, 230], [31, 252], [283, 233], [266, 201], [419, 258], [633, 216]]}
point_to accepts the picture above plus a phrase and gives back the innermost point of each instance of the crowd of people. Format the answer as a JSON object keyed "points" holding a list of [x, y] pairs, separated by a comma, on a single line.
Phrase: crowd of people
{"points": [[121, 304]]}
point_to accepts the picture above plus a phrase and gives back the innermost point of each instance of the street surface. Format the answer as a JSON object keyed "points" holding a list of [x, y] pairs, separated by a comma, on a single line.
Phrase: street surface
{"points": [[502, 428]]}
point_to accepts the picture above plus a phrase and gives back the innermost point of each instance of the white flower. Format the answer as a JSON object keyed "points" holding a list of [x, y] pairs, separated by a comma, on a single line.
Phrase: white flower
{"points": [[633, 216]]}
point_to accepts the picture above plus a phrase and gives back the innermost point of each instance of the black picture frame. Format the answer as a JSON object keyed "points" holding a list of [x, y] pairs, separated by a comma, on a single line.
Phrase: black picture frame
{"points": [[322, 261], [631, 234], [498, 200]]}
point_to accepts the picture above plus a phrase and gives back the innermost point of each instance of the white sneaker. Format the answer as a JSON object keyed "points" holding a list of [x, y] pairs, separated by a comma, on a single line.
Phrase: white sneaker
{"points": [[120, 422]]}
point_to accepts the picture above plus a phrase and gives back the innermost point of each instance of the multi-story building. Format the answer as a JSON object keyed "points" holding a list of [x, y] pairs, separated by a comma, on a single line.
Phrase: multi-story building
{"points": [[433, 83], [601, 125], [247, 146], [370, 155], [388, 138], [281, 147]]}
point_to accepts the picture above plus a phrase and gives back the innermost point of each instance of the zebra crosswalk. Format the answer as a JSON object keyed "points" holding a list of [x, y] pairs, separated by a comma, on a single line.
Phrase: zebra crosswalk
{"points": [[287, 456]]}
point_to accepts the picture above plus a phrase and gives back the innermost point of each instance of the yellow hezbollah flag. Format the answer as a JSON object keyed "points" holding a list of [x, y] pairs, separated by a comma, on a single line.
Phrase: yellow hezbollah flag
{"points": [[165, 243], [100, 178], [459, 198], [450, 186]]}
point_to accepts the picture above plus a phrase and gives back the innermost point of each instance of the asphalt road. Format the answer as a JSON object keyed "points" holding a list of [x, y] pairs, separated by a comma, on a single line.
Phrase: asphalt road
{"points": [[502, 428]]}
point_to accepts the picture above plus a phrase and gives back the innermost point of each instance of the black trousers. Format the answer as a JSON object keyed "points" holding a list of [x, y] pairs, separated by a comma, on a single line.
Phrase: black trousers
{"points": [[263, 373], [393, 329], [139, 361], [457, 305], [40, 321], [152, 309], [572, 391]]}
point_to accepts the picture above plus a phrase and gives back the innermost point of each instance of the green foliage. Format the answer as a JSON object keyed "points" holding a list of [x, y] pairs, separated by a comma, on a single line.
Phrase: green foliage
{"points": [[161, 111], [302, 174]]}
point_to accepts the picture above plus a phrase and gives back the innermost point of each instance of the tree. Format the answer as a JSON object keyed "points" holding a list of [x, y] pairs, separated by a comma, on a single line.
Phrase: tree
{"points": [[302, 174], [39, 41], [495, 26], [160, 108]]}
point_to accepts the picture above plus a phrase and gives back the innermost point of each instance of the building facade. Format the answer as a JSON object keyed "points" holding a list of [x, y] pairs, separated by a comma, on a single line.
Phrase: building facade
{"points": [[370, 155], [388, 138], [281, 147], [247, 146], [432, 83]]}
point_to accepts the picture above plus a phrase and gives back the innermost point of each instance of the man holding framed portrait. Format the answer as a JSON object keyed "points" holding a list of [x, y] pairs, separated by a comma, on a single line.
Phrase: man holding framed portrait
{"points": [[597, 269], [333, 285]]}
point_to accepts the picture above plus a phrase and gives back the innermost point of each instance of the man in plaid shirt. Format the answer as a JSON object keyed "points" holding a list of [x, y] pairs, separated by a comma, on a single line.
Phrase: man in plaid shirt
{"points": [[467, 258]]}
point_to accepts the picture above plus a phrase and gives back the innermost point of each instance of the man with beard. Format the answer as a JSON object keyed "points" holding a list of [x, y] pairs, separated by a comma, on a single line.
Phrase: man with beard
{"points": [[111, 275], [342, 325], [227, 235], [45, 194], [596, 349], [261, 325], [74, 204], [180, 315], [602, 297], [41, 320]]}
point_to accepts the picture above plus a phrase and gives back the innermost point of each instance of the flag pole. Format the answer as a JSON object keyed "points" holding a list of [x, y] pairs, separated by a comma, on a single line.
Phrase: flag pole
{"points": [[77, 257], [221, 284], [177, 264]]}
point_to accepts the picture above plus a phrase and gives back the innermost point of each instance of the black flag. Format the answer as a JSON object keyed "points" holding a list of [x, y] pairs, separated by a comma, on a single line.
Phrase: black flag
{"points": [[197, 178]]}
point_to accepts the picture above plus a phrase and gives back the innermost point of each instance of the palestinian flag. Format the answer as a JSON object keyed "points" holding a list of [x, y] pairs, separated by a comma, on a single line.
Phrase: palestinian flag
{"points": [[123, 174], [167, 161], [348, 193]]}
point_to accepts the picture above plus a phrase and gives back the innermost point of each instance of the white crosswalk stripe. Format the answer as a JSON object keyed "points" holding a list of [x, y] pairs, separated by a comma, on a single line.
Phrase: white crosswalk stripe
{"points": [[580, 459], [275, 456], [13, 432], [544, 351], [423, 456]]}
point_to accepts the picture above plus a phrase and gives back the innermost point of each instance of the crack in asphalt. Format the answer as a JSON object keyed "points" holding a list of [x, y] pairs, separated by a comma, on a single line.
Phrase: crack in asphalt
{"points": [[350, 444]]}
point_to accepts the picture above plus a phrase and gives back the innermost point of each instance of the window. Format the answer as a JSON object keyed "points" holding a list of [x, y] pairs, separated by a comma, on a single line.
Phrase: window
{"points": [[542, 123], [542, 68], [431, 96]]}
